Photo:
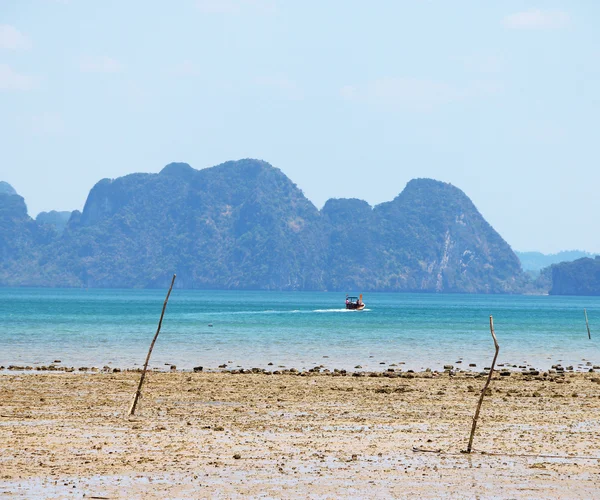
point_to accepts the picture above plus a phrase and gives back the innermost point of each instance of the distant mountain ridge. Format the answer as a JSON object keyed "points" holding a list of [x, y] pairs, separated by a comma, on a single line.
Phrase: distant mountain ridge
{"points": [[58, 220], [245, 225], [536, 261]]}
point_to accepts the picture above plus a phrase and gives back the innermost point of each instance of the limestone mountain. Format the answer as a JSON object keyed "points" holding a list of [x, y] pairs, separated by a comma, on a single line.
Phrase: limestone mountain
{"points": [[429, 238], [6, 188], [240, 225], [22, 240], [433, 229], [245, 225]]}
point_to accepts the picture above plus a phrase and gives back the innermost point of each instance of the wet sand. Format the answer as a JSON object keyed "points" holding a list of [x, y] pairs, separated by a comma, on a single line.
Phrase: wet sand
{"points": [[218, 435]]}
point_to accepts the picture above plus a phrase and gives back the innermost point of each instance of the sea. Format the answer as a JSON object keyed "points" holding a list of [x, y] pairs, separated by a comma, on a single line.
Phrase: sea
{"points": [[276, 330]]}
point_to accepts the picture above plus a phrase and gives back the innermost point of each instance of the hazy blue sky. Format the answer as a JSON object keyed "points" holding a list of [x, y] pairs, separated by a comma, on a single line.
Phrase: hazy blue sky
{"points": [[347, 98]]}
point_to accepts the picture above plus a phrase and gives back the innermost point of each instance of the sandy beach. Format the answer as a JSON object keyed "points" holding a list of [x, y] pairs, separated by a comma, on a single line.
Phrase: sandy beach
{"points": [[222, 435]]}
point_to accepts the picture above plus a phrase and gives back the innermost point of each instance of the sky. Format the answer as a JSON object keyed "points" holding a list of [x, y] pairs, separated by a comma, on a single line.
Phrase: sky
{"points": [[350, 99]]}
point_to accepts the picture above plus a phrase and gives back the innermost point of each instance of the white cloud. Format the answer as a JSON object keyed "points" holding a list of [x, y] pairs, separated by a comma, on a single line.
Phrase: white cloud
{"points": [[537, 19], [484, 88], [235, 6], [137, 94], [282, 84], [12, 39], [102, 64], [542, 132], [483, 63], [407, 93], [186, 68], [412, 89], [47, 124], [412, 94], [11, 80], [349, 92]]}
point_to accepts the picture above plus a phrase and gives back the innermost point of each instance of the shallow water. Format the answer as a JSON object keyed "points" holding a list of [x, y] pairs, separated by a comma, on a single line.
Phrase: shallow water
{"points": [[292, 329]]}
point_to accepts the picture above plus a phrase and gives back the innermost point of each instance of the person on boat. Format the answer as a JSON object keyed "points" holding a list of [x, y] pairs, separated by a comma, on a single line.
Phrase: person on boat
{"points": [[347, 301]]}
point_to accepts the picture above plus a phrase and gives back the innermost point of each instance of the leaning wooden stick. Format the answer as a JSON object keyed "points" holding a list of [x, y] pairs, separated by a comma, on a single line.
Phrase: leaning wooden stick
{"points": [[138, 393], [487, 383], [587, 324]]}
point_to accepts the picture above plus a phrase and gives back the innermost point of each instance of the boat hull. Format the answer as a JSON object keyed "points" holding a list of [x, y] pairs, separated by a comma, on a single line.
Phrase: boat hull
{"points": [[350, 307]]}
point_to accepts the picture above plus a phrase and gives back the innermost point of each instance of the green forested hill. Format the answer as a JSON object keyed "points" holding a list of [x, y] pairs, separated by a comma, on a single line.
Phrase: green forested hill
{"points": [[580, 277], [245, 225]]}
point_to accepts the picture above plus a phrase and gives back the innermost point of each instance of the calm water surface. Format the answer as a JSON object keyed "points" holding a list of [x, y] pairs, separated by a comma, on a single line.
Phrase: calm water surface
{"points": [[292, 329]]}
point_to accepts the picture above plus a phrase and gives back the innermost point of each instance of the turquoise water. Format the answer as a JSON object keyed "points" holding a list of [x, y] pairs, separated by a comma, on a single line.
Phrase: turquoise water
{"points": [[296, 329]]}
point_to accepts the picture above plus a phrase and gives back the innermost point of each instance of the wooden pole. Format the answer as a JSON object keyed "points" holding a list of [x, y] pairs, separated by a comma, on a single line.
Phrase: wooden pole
{"points": [[138, 393], [587, 324], [487, 383]]}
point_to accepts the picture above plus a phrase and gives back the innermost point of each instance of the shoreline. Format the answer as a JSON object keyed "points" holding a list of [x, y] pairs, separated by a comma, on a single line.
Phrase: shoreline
{"points": [[211, 434], [385, 369]]}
